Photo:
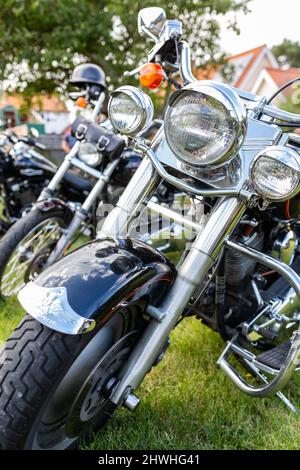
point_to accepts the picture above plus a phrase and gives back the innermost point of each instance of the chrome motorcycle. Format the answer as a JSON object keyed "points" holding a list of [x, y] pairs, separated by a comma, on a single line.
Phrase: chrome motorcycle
{"points": [[100, 318]]}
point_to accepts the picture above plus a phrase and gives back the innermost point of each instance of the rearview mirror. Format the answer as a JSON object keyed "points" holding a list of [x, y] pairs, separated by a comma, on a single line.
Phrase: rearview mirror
{"points": [[151, 21]]}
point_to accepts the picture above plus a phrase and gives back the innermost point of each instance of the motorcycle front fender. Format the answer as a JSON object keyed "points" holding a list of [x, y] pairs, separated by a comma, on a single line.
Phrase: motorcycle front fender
{"points": [[86, 287], [53, 204]]}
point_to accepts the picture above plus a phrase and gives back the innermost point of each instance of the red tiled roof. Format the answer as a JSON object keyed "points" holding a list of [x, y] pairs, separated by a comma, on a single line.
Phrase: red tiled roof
{"points": [[282, 76], [39, 103], [210, 72], [256, 51]]}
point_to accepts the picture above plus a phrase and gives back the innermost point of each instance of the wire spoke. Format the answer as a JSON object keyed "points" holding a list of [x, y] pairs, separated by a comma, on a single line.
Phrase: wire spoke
{"points": [[19, 263]]}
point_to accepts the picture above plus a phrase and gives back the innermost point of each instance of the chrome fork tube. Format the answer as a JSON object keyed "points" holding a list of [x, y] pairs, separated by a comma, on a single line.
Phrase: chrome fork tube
{"points": [[64, 167], [141, 186], [81, 213], [191, 273]]}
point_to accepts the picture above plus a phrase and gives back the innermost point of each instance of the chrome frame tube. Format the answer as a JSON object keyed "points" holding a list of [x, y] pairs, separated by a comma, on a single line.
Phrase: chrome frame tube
{"points": [[141, 187], [191, 273], [98, 188], [188, 187], [174, 216], [86, 168], [70, 158], [292, 360], [61, 171], [280, 395]]}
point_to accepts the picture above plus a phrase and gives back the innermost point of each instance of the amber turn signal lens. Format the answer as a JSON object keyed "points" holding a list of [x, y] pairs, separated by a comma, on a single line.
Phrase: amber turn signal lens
{"points": [[81, 102], [151, 75]]}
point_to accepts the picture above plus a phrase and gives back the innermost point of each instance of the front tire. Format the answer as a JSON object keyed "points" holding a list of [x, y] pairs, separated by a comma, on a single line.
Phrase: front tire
{"points": [[26, 246], [54, 387]]}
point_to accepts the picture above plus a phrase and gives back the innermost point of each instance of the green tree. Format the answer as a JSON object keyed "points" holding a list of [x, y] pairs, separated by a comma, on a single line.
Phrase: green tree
{"points": [[288, 53], [42, 40]]}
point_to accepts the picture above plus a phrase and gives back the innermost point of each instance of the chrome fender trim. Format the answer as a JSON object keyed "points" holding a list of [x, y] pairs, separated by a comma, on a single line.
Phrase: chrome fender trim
{"points": [[50, 306]]}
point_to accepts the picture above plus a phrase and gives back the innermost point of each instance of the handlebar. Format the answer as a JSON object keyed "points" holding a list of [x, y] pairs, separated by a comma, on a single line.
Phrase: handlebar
{"points": [[14, 139], [185, 70], [280, 114], [130, 73], [188, 77], [30, 141]]}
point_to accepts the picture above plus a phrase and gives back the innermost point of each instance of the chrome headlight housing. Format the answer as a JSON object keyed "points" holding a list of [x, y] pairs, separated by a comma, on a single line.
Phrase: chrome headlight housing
{"points": [[89, 154], [275, 173], [205, 124], [130, 110]]}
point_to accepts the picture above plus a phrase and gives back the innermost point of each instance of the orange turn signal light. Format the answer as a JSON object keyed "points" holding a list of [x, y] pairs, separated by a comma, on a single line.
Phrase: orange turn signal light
{"points": [[81, 102], [151, 75]]}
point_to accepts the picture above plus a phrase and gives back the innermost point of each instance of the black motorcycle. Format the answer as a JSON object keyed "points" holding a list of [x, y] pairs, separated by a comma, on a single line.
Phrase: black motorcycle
{"points": [[100, 318], [23, 174]]}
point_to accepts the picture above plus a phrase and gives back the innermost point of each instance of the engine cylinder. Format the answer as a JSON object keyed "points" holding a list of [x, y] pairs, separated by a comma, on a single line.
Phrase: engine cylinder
{"points": [[239, 266]]}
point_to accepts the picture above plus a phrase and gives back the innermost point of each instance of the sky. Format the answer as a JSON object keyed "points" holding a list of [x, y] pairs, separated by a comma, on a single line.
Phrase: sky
{"points": [[269, 22]]}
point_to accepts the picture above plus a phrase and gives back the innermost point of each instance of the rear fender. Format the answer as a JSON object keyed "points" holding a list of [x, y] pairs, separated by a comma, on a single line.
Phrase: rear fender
{"points": [[87, 286]]}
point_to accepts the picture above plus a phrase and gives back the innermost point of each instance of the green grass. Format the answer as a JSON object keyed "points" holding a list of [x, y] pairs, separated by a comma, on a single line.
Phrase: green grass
{"points": [[187, 403]]}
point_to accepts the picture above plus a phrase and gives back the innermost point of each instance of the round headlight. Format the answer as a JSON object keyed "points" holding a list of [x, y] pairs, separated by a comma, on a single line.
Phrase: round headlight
{"points": [[130, 110], [89, 154], [205, 125], [275, 173]]}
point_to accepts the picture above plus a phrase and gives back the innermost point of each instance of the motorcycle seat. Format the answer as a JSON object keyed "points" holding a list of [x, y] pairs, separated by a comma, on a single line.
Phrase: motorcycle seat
{"points": [[77, 182]]}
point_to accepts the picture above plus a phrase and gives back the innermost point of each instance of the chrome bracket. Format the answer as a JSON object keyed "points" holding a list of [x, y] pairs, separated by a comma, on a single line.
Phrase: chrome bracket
{"points": [[292, 361]]}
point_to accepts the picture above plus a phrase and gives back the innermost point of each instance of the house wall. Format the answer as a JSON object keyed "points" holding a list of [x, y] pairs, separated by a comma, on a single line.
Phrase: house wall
{"points": [[251, 78], [265, 89], [55, 123], [9, 109]]}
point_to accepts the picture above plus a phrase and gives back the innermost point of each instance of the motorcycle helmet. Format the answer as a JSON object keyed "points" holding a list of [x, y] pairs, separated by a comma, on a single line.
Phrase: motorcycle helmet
{"points": [[88, 74]]}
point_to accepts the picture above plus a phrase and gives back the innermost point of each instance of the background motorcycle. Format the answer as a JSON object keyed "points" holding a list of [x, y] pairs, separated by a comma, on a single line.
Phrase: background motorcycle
{"points": [[60, 216], [23, 174], [100, 318]]}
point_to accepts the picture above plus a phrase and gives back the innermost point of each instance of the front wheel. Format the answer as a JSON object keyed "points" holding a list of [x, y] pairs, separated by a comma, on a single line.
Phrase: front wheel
{"points": [[55, 387], [26, 247]]}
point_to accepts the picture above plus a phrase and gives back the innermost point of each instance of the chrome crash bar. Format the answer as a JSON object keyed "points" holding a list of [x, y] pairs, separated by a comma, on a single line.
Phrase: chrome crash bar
{"points": [[186, 187], [292, 360]]}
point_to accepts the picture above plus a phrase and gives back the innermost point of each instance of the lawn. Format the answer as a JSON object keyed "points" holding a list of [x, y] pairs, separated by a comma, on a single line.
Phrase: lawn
{"points": [[187, 403]]}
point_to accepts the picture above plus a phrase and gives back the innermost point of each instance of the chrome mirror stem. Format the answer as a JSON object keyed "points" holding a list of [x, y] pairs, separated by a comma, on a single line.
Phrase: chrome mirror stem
{"points": [[185, 66]]}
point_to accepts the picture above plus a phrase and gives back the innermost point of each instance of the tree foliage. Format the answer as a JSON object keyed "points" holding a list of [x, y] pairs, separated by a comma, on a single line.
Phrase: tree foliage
{"points": [[42, 40], [288, 53]]}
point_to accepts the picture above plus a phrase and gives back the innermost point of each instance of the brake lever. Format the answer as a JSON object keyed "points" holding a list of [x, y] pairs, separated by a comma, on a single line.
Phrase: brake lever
{"points": [[78, 94]]}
